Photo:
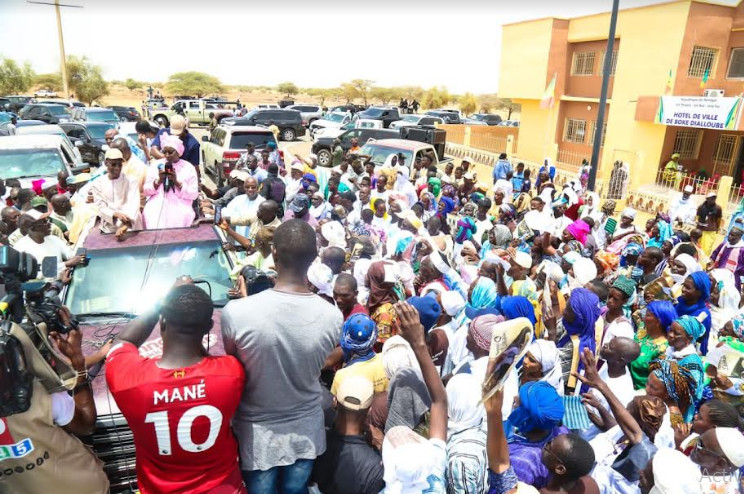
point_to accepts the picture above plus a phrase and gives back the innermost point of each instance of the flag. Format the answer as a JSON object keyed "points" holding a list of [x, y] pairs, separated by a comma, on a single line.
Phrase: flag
{"points": [[705, 79], [669, 83], [549, 95]]}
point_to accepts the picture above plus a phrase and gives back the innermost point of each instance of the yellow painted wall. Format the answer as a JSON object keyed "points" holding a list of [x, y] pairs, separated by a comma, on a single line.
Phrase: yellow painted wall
{"points": [[532, 144], [524, 58]]}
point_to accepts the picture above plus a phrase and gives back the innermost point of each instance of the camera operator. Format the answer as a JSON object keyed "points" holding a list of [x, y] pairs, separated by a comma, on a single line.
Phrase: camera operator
{"points": [[39, 451]]}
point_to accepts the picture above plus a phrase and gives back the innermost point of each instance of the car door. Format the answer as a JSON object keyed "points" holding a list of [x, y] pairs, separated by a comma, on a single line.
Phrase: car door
{"points": [[346, 138], [87, 149]]}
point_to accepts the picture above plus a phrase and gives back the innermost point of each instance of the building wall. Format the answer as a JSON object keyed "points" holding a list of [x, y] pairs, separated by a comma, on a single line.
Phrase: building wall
{"points": [[588, 86], [534, 137], [525, 52], [580, 111]]}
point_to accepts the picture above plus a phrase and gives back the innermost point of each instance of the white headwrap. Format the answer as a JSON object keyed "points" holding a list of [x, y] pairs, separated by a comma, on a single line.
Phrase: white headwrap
{"points": [[674, 473], [397, 354], [690, 263], [628, 213], [729, 297], [321, 277], [452, 302], [334, 232], [731, 442], [546, 353], [464, 403], [584, 270], [406, 460]]}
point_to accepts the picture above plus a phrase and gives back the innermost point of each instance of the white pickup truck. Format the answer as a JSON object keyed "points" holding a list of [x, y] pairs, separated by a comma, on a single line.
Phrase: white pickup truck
{"points": [[379, 150]]}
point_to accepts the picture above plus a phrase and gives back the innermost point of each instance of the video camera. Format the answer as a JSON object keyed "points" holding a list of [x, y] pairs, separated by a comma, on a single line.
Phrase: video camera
{"points": [[25, 351]]}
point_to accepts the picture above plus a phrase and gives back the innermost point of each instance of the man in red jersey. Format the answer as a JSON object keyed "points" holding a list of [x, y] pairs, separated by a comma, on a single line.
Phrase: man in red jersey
{"points": [[179, 406]]}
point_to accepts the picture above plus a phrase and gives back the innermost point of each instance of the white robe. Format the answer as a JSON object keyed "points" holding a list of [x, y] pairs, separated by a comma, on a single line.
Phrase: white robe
{"points": [[116, 196]]}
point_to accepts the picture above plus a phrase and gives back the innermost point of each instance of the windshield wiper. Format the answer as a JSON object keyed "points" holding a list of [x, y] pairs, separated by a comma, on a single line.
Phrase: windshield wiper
{"points": [[107, 314]]}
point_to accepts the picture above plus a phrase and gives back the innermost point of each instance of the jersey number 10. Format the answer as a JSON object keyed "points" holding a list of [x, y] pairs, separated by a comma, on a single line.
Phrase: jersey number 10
{"points": [[183, 431]]}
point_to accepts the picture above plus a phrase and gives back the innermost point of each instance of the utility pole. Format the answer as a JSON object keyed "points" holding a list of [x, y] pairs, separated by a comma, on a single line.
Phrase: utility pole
{"points": [[598, 131], [62, 57]]}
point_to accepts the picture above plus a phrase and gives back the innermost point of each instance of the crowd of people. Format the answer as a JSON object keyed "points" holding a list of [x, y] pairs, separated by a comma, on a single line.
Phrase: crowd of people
{"points": [[367, 305]]}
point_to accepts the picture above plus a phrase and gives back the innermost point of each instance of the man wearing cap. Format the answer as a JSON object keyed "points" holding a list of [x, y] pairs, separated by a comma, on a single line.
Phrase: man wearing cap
{"points": [[709, 216], [40, 243], [294, 181], [683, 209], [116, 197], [719, 453], [245, 204], [179, 128], [350, 464], [467, 187], [299, 209]]}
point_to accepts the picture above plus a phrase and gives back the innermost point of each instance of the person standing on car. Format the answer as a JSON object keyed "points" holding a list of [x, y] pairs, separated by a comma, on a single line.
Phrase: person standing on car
{"points": [[282, 336], [179, 406], [179, 127], [40, 450], [116, 197]]}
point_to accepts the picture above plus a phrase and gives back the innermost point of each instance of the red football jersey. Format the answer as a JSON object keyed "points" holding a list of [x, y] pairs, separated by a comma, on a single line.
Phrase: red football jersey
{"points": [[180, 419]]}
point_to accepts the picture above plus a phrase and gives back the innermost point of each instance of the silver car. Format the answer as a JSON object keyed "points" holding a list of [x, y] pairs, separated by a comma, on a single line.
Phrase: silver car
{"points": [[309, 113]]}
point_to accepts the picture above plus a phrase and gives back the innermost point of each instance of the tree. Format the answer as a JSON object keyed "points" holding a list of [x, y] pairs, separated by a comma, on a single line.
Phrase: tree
{"points": [[131, 84], [348, 91], [384, 94], [508, 105], [14, 78], [193, 83], [468, 103], [435, 97], [409, 92], [486, 102], [51, 81], [288, 88], [362, 87], [85, 80]]}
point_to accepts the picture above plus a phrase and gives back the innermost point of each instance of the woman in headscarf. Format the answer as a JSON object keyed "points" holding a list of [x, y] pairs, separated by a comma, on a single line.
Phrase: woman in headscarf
{"points": [[579, 321], [466, 438], [466, 228], [429, 203], [616, 314], [605, 226], [682, 266], [682, 335], [541, 363], [320, 209], [518, 306], [507, 216], [434, 186], [358, 338], [381, 218], [574, 236], [170, 187], [606, 263], [320, 278], [499, 237], [482, 298], [693, 302], [730, 253], [382, 279], [522, 204], [536, 421], [652, 338], [675, 386], [660, 232], [724, 302], [591, 207]]}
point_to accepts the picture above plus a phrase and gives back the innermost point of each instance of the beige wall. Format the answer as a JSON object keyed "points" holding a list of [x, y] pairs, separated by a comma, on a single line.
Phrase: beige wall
{"points": [[525, 50]]}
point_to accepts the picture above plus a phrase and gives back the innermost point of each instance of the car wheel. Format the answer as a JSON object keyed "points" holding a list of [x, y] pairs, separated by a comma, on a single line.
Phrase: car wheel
{"points": [[324, 157], [161, 120], [288, 135]]}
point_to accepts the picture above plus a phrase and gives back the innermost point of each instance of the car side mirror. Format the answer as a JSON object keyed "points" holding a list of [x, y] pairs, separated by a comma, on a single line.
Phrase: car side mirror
{"points": [[83, 168], [105, 147], [205, 138], [77, 143]]}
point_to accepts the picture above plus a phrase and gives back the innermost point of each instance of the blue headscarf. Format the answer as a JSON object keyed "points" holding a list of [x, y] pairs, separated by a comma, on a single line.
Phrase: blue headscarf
{"points": [[664, 311], [358, 336], [449, 206], [585, 305], [483, 296], [702, 284], [540, 407], [517, 306], [679, 383], [692, 327], [632, 249], [428, 308]]}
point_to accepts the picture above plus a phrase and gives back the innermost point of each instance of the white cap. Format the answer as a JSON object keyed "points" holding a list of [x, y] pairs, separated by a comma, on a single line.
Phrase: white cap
{"points": [[523, 259], [688, 189], [731, 442], [452, 302]]}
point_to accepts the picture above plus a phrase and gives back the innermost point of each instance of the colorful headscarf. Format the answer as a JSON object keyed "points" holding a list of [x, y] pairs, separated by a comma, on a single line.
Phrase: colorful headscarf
{"points": [[579, 230], [173, 142], [664, 311], [483, 294], [518, 306], [679, 384], [449, 206], [508, 211], [481, 330], [692, 327], [625, 285], [358, 336], [649, 413], [436, 185], [702, 284], [738, 324], [465, 229], [540, 407], [632, 249], [585, 306], [607, 260]]}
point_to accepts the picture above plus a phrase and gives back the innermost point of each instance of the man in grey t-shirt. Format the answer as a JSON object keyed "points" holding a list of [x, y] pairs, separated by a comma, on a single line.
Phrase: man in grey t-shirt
{"points": [[282, 336]]}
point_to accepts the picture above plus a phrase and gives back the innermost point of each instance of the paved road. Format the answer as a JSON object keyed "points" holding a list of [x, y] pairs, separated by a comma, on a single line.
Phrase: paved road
{"points": [[301, 146]]}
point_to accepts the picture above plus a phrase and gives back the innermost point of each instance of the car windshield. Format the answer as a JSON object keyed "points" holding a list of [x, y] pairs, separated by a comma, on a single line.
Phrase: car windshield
{"points": [[411, 118], [239, 141], [56, 109], [131, 279], [373, 112], [27, 163], [335, 117], [99, 131], [379, 153], [4, 117], [250, 114], [102, 116]]}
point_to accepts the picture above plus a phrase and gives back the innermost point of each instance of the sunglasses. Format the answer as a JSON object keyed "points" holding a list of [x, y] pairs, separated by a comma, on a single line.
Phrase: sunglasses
{"points": [[547, 449], [701, 449]]}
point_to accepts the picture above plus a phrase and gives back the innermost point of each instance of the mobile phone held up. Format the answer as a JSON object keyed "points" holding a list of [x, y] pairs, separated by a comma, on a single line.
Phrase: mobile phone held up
{"points": [[217, 215]]}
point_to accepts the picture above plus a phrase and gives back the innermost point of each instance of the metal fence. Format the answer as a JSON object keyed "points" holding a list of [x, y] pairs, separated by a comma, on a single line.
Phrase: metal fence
{"points": [[571, 161], [678, 181]]}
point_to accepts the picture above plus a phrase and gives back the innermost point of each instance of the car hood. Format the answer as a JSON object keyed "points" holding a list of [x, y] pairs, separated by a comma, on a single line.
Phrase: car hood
{"points": [[98, 330]]}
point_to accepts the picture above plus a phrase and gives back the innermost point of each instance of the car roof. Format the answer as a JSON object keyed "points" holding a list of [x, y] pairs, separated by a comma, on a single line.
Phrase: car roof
{"points": [[42, 129], [253, 129], [96, 108], [403, 144], [29, 123], [94, 239], [35, 141]]}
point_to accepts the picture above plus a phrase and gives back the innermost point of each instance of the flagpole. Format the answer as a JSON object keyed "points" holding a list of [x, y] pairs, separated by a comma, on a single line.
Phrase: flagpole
{"points": [[603, 97]]}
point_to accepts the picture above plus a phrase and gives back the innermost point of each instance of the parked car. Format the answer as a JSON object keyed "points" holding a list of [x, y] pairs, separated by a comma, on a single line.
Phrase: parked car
{"points": [[288, 121], [94, 115], [5, 116], [127, 113], [414, 120], [449, 117], [196, 110], [349, 108], [45, 112], [267, 106], [18, 102], [32, 157], [45, 93], [69, 104], [323, 147], [143, 274], [412, 150], [509, 123], [20, 124], [329, 121], [89, 137], [51, 129], [286, 102], [309, 113], [4, 104], [223, 147], [386, 114], [471, 122], [488, 118]]}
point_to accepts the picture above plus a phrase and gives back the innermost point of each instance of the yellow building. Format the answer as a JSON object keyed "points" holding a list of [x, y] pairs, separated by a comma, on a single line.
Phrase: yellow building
{"points": [[660, 50]]}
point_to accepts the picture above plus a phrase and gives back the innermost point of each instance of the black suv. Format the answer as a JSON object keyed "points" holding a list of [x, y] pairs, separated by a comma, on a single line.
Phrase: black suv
{"points": [[288, 121], [449, 117], [49, 113], [92, 139], [323, 147], [126, 113], [18, 102], [388, 114]]}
